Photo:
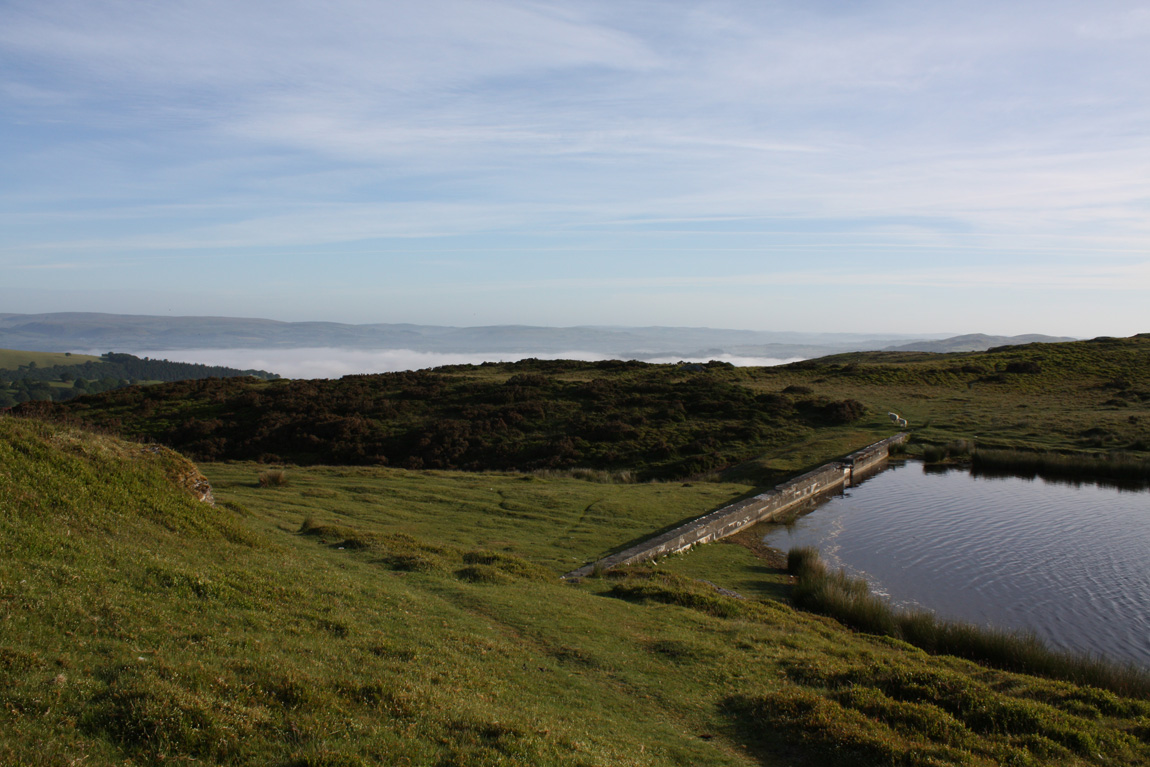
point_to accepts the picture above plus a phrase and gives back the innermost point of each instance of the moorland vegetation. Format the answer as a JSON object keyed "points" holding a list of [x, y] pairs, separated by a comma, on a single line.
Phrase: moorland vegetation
{"points": [[659, 421]]}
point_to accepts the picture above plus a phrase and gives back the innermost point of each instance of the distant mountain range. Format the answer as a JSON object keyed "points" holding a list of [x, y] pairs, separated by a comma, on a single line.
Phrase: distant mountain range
{"points": [[79, 331], [976, 342]]}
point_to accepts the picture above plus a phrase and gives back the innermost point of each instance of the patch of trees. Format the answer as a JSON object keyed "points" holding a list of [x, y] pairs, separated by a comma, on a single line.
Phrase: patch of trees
{"points": [[658, 420], [26, 390]]}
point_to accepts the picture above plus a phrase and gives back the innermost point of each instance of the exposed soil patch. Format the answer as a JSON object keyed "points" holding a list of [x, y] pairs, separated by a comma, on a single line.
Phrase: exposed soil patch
{"points": [[751, 538]]}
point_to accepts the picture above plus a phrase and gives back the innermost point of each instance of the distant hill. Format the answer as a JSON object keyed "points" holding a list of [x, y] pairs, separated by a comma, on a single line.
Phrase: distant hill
{"points": [[47, 376], [14, 359], [976, 342], [73, 331]]}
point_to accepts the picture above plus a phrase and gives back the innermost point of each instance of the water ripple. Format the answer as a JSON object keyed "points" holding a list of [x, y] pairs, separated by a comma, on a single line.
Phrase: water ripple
{"points": [[1067, 562]]}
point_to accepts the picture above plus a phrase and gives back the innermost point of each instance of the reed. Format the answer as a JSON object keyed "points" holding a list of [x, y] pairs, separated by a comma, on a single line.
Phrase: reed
{"points": [[849, 600], [1121, 468], [958, 448], [602, 476]]}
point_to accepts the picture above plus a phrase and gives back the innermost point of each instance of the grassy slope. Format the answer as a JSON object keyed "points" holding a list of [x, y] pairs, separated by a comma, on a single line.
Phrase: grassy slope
{"points": [[10, 359], [1086, 395], [559, 523], [138, 626]]}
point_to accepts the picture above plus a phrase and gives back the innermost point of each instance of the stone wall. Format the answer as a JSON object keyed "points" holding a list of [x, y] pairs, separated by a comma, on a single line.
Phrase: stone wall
{"points": [[736, 516], [872, 455]]}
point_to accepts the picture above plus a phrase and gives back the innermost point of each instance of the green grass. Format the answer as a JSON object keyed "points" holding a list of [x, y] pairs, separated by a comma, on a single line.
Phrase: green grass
{"points": [[362, 616], [11, 359], [558, 521]]}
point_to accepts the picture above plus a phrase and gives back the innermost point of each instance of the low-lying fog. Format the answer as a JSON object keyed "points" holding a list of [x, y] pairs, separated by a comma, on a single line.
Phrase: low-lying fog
{"points": [[334, 363]]}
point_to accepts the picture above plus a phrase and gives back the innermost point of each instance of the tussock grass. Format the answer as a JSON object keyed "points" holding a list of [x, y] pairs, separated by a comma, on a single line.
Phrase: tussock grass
{"points": [[850, 601], [273, 478], [644, 585], [882, 714], [400, 551]]}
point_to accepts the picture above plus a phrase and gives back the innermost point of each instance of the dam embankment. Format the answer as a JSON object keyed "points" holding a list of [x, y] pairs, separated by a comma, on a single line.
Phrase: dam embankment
{"points": [[736, 516]]}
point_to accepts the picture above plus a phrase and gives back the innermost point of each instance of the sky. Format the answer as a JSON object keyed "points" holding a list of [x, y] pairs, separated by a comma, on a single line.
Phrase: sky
{"points": [[813, 166]]}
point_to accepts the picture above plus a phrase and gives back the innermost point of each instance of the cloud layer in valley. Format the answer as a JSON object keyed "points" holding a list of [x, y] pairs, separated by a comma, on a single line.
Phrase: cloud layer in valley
{"points": [[335, 363]]}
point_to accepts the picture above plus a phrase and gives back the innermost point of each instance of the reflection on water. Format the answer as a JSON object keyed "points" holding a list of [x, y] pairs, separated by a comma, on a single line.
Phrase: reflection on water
{"points": [[1070, 562]]}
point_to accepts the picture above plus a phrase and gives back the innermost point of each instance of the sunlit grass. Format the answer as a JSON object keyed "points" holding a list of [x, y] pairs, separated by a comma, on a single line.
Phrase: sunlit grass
{"points": [[553, 518], [370, 616]]}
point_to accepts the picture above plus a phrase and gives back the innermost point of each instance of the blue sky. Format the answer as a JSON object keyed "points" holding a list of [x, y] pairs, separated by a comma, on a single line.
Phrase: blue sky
{"points": [[817, 166]]}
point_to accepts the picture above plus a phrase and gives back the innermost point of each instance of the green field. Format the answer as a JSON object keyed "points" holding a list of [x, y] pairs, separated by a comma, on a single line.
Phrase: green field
{"points": [[11, 359], [361, 616]]}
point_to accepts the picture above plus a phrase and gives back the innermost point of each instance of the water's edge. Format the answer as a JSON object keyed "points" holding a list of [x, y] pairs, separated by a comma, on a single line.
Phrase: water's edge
{"points": [[1067, 562]]}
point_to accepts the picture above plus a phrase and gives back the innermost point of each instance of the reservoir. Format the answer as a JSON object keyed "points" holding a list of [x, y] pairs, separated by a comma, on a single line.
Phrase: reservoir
{"points": [[1070, 562]]}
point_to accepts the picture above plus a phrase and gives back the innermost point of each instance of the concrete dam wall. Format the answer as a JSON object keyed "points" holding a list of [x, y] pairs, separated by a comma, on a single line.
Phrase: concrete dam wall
{"points": [[733, 518]]}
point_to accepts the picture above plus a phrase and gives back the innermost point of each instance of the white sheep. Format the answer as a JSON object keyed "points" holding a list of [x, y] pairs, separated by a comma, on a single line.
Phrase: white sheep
{"points": [[901, 423]]}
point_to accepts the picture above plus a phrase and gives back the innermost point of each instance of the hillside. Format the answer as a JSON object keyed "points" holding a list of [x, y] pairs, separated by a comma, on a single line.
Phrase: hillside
{"points": [[30, 376], [656, 420], [309, 623], [15, 359]]}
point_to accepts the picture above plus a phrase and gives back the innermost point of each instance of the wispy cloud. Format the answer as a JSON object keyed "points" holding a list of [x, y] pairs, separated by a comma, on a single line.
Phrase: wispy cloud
{"points": [[1008, 131], [1076, 276]]}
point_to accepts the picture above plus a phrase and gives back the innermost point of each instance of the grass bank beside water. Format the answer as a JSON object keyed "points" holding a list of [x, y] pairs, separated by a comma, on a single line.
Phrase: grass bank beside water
{"points": [[850, 601]]}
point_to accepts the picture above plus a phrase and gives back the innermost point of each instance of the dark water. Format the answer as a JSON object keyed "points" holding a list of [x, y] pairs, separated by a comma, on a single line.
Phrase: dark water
{"points": [[1071, 563]]}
